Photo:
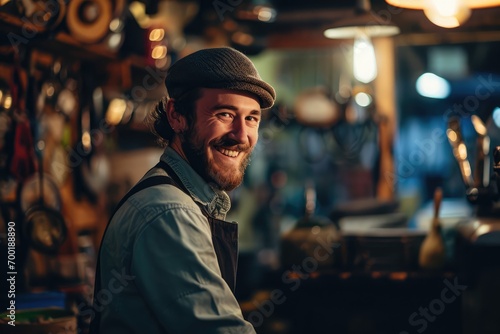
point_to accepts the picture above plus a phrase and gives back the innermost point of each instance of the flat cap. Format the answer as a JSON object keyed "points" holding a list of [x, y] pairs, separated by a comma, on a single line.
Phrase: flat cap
{"points": [[224, 68]]}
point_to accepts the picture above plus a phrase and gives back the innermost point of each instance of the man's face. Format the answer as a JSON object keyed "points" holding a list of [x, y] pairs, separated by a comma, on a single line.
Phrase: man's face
{"points": [[218, 146]]}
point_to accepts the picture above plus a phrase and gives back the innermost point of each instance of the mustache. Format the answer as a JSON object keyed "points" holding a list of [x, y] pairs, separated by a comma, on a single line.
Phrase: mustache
{"points": [[232, 144]]}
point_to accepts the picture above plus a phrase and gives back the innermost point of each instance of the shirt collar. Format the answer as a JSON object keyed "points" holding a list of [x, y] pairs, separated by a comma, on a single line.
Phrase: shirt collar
{"points": [[216, 202]]}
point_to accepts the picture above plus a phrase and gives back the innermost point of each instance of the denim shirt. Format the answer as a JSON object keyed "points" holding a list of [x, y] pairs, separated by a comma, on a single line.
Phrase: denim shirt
{"points": [[159, 270]]}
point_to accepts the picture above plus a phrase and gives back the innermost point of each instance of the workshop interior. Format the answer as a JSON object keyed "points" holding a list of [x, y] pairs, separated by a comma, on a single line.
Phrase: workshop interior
{"points": [[372, 200]]}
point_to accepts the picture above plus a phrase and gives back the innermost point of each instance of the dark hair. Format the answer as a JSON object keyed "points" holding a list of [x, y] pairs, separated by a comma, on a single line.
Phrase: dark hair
{"points": [[158, 121]]}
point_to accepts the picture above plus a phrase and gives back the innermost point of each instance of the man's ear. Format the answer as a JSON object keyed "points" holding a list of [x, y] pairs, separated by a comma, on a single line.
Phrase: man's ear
{"points": [[176, 120]]}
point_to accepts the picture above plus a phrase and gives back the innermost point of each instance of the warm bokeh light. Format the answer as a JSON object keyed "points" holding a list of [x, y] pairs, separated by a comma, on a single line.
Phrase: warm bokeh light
{"points": [[452, 135], [50, 90], [157, 35], [116, 25], [364, 61], [86, 141], [462, 151], [159, 52], [479, 125], [115, 111], [265, 14], [115, 40], [7, 103]]}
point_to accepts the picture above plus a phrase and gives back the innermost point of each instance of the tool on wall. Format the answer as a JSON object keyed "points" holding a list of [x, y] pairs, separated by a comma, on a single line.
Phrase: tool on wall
{"points": [[44, 227], [479, 188], [42, 15], [90, 21], [91, 173], [22, 164]]}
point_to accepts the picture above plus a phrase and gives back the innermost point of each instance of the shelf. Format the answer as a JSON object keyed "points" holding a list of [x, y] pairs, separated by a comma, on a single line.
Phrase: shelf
{"points": [[55, 41]]}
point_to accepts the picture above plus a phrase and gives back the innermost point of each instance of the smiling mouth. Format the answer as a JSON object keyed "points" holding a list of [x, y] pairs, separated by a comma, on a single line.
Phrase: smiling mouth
{"points": [[228, 153]]}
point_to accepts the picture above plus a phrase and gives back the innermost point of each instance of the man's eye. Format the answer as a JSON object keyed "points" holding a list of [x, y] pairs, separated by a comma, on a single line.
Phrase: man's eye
{"points": [[253, 118], [225, 114]]}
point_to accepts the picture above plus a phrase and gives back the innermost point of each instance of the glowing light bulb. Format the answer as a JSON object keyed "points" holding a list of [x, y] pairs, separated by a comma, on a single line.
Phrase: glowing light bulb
{"points": [[364, 61], [446, 7], [447, 13]]}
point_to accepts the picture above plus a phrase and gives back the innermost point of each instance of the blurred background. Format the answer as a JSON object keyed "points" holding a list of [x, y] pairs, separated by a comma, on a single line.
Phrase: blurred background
{"points": [[379, 103]]}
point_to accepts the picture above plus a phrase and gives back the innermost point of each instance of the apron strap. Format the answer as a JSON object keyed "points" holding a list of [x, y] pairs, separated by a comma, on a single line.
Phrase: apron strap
{"points": [[224, 235]]}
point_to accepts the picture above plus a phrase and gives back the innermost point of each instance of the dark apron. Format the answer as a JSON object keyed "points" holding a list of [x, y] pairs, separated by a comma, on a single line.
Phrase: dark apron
{"points": [[224, 237]]}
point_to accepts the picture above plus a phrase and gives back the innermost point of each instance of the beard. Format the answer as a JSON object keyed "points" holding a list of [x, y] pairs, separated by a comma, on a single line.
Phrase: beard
{"points": [[218, 176]]}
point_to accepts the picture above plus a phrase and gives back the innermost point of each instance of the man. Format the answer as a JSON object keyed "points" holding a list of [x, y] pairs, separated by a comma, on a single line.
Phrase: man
{"points": [[168, 260]]}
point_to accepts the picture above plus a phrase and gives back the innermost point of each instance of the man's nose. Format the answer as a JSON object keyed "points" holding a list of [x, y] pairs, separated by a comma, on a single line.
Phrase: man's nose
{"points": [[239, 131]]}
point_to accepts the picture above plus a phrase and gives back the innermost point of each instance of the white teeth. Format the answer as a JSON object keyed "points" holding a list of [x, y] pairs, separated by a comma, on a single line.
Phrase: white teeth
{"points": [[229, 153]]}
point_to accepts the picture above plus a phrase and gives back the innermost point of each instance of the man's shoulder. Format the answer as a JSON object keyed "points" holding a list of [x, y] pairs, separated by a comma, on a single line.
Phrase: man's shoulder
{"points": [[157, 203], [146, 206], [161, 197]]}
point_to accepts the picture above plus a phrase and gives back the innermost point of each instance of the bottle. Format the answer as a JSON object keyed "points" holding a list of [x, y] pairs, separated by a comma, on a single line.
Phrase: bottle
{"points": [[432, 251]]}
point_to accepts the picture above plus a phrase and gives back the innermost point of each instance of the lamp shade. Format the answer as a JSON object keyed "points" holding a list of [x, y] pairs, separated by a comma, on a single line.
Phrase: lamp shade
{"points": [[445, 13], [368, 22], [422, 4]]}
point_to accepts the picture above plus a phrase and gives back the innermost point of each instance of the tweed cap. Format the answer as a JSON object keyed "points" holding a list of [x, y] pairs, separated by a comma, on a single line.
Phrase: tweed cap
{"points": [[224, 68]]}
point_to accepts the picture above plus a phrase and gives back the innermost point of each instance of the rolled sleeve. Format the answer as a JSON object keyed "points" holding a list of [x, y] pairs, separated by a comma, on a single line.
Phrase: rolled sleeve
{"points": [[177, 273]]}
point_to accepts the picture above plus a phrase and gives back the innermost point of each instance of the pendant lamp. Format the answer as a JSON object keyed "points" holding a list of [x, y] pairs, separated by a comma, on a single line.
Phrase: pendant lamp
{"points": [[445, 13], [361, 27]]}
